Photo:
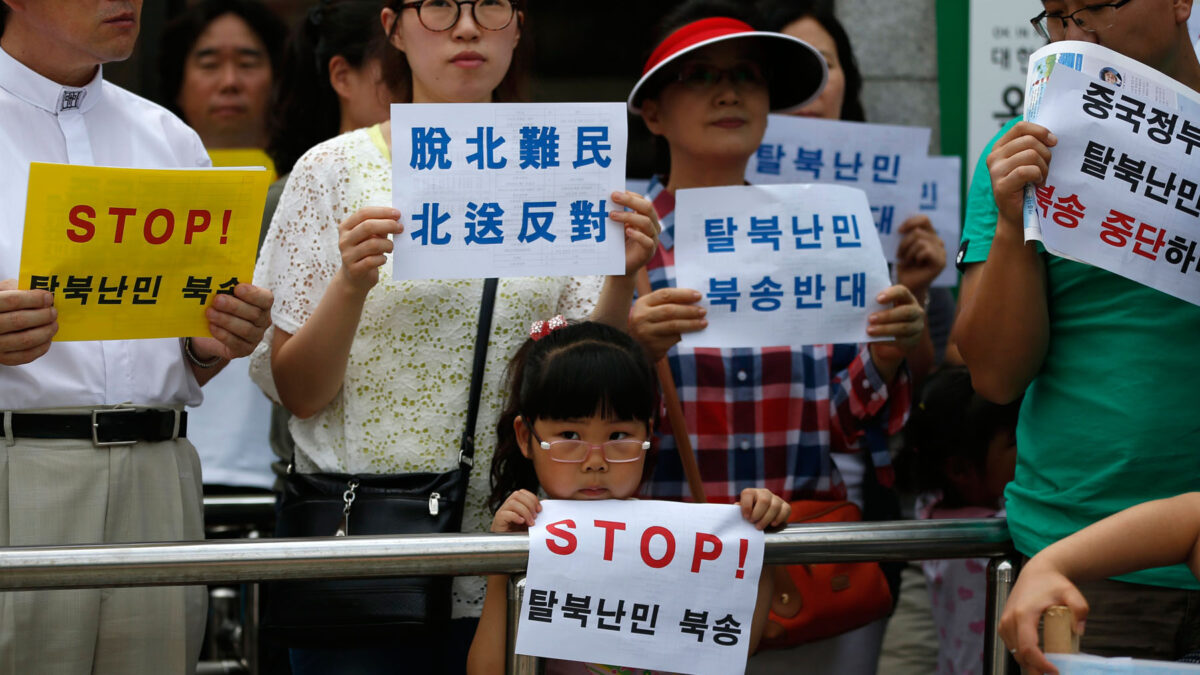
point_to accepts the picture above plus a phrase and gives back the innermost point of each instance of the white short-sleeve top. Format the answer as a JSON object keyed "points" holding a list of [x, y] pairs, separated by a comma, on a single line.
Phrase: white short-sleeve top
{"points": [[403, 404]]}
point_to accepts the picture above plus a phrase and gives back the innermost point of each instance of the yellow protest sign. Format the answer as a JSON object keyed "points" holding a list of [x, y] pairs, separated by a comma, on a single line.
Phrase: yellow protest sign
{"points": [[138, 253], [240, 157]]}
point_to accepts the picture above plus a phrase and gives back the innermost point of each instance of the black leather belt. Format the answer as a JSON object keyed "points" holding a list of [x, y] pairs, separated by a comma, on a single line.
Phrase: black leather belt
{"points": [[116, 426]]}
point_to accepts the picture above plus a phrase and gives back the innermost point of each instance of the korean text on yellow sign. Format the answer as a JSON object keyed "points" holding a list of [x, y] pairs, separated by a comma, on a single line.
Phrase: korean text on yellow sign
{"points": [[138, 253]]}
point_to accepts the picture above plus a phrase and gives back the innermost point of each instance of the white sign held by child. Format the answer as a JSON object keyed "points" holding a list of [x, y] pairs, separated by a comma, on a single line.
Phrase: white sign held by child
{"points": [[883, 160], [507, 189], [779, 265], [647, 584]]}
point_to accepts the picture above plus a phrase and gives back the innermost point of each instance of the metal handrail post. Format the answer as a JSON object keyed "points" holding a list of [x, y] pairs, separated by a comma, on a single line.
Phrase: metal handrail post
{"points": [[1001, 574], [519, 664]]}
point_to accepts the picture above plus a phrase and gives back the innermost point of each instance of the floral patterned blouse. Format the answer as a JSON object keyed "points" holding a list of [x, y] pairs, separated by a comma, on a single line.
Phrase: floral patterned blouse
{"points": [[403, 404]]}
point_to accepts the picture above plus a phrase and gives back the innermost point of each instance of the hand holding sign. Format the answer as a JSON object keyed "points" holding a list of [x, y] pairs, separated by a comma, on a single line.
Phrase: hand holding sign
{"points": [[364, 244], [905, 322], [517, 513], [641, 229], [659, 320], [1020, 157], [763, 508], [237, 323], [28, 321], [921, 256]]}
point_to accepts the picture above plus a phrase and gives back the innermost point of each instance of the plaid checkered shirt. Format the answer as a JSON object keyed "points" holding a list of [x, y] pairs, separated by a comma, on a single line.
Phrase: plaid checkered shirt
{"points": [[770, 417]]}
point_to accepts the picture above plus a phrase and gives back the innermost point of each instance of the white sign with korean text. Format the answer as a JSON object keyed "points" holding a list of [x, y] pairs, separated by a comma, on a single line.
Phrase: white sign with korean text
{"points": [[779, 265], [1001, 41], [645, 584], [1123, 191], [880, 159], [507, 189], [941, 201]]}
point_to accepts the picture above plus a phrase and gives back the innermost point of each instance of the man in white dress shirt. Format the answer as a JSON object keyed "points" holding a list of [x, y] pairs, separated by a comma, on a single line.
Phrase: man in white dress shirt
{"points": [[70, 472]]}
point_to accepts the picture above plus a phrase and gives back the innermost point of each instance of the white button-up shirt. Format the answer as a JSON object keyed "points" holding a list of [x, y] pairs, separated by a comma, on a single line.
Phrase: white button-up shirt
{"points": [[104, 125]]}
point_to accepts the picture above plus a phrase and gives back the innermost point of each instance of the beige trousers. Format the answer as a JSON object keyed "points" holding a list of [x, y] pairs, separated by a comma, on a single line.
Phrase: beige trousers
{"points": [[70, 492]]}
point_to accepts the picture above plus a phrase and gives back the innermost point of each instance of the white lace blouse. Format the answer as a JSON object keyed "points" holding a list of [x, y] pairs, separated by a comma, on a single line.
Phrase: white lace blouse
{"points": [[403, 404]]}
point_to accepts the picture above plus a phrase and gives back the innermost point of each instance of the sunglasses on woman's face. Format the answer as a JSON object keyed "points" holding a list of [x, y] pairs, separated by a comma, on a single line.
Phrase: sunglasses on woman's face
{"points": [[705, 75]]}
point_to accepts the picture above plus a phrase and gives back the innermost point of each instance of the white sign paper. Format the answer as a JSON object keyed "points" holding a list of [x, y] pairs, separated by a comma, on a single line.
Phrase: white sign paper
{"points": [[779, 265], [1194, 29], [1086, 664], [508, 189], [940, 200], [1123, 192], [648, 584], [881, 159]]}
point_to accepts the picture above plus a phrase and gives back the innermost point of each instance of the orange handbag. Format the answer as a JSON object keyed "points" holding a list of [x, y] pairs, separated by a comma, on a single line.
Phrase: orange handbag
{"points": [[814, 602]]}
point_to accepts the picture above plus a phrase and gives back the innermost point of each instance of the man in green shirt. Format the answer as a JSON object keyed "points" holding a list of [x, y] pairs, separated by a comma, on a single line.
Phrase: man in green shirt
{"points": [[1109, 418]]}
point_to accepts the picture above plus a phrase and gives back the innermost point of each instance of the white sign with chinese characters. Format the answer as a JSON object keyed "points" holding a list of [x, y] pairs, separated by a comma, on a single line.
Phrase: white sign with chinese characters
{"points": [[880, 159], [508, 189], [779, 265], [1123, 191], [647, 584], [941, 178], [1001, 40]]}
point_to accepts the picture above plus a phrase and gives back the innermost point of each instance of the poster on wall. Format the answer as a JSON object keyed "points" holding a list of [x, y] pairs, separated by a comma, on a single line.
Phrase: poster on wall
{"points": [[1001, 41]]}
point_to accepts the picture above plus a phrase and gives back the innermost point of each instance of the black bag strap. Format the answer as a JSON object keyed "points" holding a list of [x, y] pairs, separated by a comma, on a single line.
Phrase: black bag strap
{"points": [[466, 452]]}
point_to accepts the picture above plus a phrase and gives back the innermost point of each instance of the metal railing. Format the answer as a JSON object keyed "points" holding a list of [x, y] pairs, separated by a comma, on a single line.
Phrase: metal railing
{"points": [[250, 560]]}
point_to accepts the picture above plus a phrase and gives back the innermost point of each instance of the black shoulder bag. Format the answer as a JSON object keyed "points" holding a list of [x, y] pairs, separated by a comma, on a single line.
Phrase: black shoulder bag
{"points": [[332, 613]]}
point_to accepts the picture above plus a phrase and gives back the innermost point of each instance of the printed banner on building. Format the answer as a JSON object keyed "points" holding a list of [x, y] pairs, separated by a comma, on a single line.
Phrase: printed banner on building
{"points": [[641, 584], [883, 160], [508, 189], [779, 265], [1001, 42], [138, 253], [1122, 189]]}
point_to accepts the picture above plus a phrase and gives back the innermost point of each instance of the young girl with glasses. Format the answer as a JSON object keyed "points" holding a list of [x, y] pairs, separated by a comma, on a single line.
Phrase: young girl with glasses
{"points": [[376, 374], [578, 424]]}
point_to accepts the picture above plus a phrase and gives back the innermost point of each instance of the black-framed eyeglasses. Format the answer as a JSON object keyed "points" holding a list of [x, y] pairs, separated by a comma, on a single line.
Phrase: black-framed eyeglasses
{"points": [[442, 15], [576, 451], [1092, 18]]}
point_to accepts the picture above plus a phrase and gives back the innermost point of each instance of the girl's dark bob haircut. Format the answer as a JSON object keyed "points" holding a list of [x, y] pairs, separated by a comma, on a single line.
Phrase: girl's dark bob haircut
{"points": [[574, 372]]}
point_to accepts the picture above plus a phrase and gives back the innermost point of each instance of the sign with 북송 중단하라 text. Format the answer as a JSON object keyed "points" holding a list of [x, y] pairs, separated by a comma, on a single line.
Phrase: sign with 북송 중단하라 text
{"points": [[1123, 190], [138, 253], [508, 189], [641, 584]]}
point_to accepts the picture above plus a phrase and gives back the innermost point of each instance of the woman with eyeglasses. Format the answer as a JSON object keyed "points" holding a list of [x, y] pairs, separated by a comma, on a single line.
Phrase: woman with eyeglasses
{"points": [[376, 374], [759, 417]]}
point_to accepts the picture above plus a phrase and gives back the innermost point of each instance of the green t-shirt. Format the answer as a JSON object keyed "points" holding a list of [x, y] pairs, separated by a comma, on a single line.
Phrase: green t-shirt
{"points": [[1111, 420]]}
